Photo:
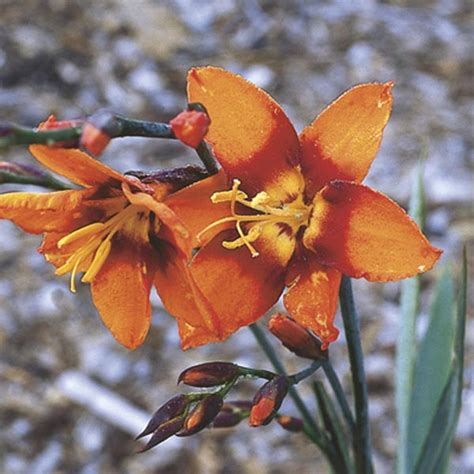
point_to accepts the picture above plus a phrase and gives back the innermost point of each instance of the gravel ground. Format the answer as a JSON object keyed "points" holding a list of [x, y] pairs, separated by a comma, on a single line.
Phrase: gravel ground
{"points": [[71, 398]]}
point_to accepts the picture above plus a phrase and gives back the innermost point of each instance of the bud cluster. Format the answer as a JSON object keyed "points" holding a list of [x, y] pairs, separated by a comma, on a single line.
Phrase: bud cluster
{"points": [[187, 414]]}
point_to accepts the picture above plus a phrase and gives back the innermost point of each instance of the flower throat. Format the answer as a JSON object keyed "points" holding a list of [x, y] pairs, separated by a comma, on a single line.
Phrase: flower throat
{"points": [[294, 214]]}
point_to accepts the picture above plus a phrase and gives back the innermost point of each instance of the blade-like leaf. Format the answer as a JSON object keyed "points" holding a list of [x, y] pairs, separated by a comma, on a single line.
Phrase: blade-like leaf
{"points": [[433, 369], [437, 448], [406, 344]]}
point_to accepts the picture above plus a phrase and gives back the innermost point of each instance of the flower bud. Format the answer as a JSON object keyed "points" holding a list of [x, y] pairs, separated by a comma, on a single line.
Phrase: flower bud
{"points": [[227, 419], [190, 127], [232, 413], [296, 338], [53, 124], [209, 374], [165, 431], [171, 409], [290, 423], [268, 400], [93, 139], [202, 415]]}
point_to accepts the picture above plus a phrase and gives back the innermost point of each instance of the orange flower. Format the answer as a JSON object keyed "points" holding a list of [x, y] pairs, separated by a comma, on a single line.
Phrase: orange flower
{"points": [[296, 214], [116, 230]]}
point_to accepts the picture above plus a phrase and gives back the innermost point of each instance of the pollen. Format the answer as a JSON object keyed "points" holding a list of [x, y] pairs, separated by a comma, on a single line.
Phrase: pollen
{"points": [[269, 211], [88, 247]]}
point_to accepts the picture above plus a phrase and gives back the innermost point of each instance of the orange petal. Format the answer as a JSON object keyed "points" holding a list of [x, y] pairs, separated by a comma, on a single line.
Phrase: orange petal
{"points": [[194, 206], [76, 166], [194, 336], [46, 212], [251, 136], [177, 291], [121, 290], [343, 140], [363, 233], [241, 288], [311, 298]]}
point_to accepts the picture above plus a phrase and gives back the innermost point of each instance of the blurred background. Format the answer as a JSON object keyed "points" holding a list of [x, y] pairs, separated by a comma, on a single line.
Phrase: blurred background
{"points": [[72, 399]]}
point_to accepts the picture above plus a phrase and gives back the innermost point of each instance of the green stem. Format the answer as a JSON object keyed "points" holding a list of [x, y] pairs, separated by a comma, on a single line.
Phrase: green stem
{"points": [[12, 134], [362, 449], [259, 373], [311, 428], [340, 395], [207, 158], [125, 127], [305, 373], [46, 181]]}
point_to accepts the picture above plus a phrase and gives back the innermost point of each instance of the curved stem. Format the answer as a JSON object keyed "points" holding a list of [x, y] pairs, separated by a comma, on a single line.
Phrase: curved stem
{"points": [[340, 395], [362, 449], [305, 373], [207, 158]]}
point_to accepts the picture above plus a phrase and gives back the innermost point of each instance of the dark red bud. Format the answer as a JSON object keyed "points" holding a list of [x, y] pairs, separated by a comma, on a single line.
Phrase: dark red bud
{"points": [[268, 400], [171, 409], [290, 423], [202, 415], [165, 431], [296, 338], [190, 127], [227, 419], [209, 374]]}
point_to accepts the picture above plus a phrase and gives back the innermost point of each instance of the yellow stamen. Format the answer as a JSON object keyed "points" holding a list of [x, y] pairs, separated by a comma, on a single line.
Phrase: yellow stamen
{"points": [[99, 259], [295, 214], [80, 233], [90, 245]]}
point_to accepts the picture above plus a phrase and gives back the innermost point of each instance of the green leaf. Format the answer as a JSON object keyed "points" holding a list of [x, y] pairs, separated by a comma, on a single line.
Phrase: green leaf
{"points": [[437, 448], [406, 344], [433, 369]]}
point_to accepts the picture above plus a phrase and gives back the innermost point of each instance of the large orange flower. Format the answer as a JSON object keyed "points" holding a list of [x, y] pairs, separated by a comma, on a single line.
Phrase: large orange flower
{"points": [[117, 231], [296, 214]]}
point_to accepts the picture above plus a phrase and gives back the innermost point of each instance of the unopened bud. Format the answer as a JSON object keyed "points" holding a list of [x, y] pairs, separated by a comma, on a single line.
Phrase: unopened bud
{"points": [[232, 413], [190, 127], [165, 431], [171, 409], [209, 374], [290, 423], [202, 415], [52, 124], [268, 400], [296, 338], [93, 139], [227, 419]]}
